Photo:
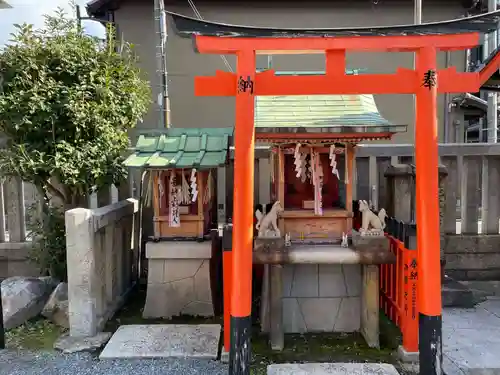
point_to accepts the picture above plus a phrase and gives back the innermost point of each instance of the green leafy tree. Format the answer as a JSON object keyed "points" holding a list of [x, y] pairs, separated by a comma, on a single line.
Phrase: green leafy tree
{"points": [[67, 101]]}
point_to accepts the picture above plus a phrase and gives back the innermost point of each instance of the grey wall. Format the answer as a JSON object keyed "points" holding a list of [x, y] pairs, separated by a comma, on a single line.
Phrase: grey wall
{"points": [[135, 20]]}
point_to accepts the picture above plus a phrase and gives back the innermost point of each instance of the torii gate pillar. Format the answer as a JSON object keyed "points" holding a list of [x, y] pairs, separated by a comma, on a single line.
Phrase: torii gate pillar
{"points": [[427, 212], [244, 158]]}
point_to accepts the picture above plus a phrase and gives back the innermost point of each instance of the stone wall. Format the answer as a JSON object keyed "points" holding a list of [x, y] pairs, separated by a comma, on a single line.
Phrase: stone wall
{"points": [[178, 279], [14, 260], [102, 252], [321, 298], [472, 257]]}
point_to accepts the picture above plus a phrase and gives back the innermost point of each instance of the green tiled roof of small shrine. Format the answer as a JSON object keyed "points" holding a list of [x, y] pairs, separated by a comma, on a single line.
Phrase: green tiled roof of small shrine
{"points": [[319, 111], [181, 148]]}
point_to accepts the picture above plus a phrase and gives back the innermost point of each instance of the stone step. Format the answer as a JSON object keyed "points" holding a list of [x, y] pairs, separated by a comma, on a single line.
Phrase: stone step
{"points": [[456, 294], [332, 369], [164, 341]]}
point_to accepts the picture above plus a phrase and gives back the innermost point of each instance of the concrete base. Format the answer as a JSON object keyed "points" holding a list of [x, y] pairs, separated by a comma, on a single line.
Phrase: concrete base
{"points": [[69, 344], [332, 369], [321, 298], [178, 279], [224, 357], [163, 341], [407, 357]]}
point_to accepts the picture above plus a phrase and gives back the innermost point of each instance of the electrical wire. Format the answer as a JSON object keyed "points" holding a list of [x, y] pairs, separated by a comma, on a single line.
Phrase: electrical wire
{"points": [[198, 15]]}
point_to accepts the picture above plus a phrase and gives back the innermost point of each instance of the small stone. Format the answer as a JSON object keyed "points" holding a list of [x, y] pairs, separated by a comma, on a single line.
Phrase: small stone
{"points": [[70, 344], [23, 298], [56, 308]]}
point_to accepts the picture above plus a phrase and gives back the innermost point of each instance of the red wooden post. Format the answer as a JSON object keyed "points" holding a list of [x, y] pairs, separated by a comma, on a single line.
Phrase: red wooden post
{"points": [[244, 150], [427, 209]]}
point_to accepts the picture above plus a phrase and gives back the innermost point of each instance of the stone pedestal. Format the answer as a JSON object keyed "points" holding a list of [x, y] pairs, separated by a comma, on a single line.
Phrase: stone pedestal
{"points": [[370, 328], [401, 185], [320, 298], [178, 279], [369, 242]]}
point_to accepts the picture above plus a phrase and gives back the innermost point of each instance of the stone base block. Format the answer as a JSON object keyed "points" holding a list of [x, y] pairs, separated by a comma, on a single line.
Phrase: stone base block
{"points": [[407, 357], [369, 242], [321, 298], [178, 279], [332, 369], [224, 357]]}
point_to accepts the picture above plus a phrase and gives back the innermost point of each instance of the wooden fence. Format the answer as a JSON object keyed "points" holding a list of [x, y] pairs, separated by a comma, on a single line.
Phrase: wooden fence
{"points": [[471, 187], [471, 241]]}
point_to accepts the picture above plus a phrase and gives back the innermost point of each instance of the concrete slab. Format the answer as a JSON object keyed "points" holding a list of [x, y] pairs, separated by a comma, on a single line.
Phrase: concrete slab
{"points": [[471, 339], [69, 344], [164, 340], [332, 369]]}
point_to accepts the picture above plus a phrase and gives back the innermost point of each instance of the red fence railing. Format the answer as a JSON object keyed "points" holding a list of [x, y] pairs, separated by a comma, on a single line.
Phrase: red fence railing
{"points": [[398, 282]]}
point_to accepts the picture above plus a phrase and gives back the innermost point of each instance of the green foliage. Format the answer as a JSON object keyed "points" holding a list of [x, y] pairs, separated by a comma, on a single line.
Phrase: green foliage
{"points": [[34, 335], [47, 231], [67, 101]]}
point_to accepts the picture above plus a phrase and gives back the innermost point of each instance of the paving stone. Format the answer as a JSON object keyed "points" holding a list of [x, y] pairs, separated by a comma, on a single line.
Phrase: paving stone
{"points": [[332, 369], [164, 340], [471, 340], [70, 344]]}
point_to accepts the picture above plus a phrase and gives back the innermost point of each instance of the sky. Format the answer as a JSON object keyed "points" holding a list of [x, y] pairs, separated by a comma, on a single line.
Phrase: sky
{"points": [[32, 11]]}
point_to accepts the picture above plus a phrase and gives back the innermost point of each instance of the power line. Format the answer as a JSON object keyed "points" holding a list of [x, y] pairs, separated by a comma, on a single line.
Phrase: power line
{"points": [[198, 15]]}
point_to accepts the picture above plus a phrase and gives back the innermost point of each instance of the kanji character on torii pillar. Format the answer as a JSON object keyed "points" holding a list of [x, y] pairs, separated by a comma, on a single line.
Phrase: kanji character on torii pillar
{"points": [[426, 81]]}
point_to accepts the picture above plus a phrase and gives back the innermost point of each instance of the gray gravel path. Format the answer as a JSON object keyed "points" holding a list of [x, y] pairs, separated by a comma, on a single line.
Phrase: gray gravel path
{"points": [[25, 363]]}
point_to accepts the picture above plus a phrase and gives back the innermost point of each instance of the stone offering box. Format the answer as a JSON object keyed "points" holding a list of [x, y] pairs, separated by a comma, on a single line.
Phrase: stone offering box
{"points": [[181, 166]]}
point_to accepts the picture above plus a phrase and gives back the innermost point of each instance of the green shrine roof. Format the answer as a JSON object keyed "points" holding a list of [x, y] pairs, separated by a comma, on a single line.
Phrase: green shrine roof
{"points": [[181, 148], [320, 111]]}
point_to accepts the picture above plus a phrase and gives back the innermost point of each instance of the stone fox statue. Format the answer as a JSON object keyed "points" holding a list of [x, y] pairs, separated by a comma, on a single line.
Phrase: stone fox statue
{"points": [[267, 225], [370, 221]]}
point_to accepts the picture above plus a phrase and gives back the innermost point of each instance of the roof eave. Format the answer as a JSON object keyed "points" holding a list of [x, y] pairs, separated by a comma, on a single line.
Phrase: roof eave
{"points": [[99, 8]]}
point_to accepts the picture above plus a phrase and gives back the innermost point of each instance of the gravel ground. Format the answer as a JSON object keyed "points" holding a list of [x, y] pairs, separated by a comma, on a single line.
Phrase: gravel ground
{"points": [[25, 363]]}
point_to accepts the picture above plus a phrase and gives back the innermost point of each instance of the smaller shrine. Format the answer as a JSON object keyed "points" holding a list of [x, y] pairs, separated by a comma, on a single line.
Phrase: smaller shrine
{"points": [[316, 281], [313, 140], [181, 166]]}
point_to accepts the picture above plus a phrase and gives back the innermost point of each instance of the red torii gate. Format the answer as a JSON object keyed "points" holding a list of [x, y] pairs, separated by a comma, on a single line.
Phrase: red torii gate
{"points": [[426, 81]]}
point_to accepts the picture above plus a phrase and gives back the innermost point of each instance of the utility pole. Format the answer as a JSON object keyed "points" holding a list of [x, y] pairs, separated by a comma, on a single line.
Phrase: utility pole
{"points": [[161, 47], [491, 44]]}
